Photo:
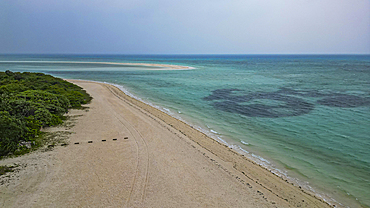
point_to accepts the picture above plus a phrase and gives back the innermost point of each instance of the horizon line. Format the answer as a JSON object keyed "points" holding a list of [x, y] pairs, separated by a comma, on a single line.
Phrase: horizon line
{"points": [[184, 54]]}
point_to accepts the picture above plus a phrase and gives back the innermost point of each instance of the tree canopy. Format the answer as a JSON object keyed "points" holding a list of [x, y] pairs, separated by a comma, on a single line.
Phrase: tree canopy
{"points": [[29, 101]]}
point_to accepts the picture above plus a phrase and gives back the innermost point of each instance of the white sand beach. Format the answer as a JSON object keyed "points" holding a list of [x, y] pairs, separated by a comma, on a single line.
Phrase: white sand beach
{"points": [[156, 161]]}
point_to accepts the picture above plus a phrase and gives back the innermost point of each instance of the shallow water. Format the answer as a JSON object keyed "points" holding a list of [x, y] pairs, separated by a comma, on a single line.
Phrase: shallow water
{"points": [[307, 116]]}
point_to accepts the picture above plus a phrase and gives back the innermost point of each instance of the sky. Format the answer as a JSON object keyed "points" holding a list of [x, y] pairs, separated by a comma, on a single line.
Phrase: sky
{"points": [[185, 26]]}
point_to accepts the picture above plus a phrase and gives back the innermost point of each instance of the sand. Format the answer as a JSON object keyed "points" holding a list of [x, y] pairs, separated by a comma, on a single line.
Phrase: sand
{"points": [[152, 66], [163, 162]]}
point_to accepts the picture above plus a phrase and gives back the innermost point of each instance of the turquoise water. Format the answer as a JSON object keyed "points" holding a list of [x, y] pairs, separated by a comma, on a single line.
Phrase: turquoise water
{"points": [[306, 116]]}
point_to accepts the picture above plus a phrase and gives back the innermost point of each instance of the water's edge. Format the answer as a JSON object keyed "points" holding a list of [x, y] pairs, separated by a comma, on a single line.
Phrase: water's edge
{"points": [[231, 143]]}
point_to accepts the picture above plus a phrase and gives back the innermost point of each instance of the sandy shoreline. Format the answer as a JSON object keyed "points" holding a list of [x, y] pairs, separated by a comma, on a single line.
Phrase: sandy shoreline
{"points": [[163, 163], [155, 66]]}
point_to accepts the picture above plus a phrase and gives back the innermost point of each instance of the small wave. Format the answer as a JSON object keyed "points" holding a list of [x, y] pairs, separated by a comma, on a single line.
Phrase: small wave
{"points": [[222, 141], [261, 158], [240, 148], [245, 143], [166, 109], [213, 131]]}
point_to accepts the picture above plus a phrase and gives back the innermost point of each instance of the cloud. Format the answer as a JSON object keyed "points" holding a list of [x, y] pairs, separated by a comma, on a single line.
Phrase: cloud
{"points": [[193, 26]]}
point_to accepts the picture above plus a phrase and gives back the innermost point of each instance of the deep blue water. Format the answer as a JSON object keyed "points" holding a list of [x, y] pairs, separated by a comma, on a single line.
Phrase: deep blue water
{"points": [[307, 116]]}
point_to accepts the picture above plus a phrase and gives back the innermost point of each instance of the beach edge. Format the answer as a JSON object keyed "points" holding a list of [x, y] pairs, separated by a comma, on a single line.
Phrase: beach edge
{"points": [[264, 178]]}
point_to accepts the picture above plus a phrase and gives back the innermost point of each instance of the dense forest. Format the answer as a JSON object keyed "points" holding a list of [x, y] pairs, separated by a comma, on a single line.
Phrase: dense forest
{"points": [[29, 101]]}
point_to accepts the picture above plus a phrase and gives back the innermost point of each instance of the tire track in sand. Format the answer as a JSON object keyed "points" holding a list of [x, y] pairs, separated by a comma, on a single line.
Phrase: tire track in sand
{"points": [[141, 178]]}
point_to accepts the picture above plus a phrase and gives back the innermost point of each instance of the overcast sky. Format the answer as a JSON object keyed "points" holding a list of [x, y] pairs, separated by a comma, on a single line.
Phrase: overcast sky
{"points": [[185, 26]]}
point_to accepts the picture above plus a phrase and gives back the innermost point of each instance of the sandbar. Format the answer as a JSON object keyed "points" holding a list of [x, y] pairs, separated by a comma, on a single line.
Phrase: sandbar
{"points": [[149, 65]]}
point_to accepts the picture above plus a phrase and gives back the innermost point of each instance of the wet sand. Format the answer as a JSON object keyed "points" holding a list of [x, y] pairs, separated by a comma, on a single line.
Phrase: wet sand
{"points": [[156, 161]]}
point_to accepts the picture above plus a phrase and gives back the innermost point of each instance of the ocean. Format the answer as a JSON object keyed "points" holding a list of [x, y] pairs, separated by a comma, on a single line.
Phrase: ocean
{"points": [[303, 116]]}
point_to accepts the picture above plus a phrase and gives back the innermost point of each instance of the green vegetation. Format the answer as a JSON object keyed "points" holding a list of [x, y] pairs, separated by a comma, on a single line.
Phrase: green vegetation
{"points": [[29, 101], [5, 169]]}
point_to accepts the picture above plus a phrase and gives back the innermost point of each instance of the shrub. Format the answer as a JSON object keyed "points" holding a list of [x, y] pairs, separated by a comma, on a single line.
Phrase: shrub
{"points": [[29, 101], [12, 130]]}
